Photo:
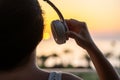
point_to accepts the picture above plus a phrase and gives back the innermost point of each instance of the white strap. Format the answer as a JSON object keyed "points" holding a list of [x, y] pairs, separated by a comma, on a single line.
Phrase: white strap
{"points": [[55, 76]]}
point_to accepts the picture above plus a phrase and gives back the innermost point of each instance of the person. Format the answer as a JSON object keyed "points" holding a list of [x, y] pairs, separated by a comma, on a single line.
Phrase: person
{"points": [[21, 30]]}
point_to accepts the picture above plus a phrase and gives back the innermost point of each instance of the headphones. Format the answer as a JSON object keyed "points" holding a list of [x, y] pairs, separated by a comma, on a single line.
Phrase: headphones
{"points": [[58, 27]]}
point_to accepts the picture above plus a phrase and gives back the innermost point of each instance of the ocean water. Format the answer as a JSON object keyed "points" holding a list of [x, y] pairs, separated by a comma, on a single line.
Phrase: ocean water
{"points": [[71, 53]]}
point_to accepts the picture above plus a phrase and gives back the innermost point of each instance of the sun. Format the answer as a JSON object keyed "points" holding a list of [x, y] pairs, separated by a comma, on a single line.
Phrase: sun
{"points": [[46, 36]]}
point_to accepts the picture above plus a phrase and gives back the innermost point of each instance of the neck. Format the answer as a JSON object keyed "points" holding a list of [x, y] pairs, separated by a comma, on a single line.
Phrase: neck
{"points": [[28, 69]]}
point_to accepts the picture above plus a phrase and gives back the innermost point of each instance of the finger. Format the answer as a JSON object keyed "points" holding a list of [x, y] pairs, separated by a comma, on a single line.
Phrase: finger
{"points": [[75, 25], [73, 35], [69, 24]]}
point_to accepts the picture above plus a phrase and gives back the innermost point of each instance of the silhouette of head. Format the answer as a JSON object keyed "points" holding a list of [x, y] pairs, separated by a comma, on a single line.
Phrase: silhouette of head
{"points": [[21, 29]]}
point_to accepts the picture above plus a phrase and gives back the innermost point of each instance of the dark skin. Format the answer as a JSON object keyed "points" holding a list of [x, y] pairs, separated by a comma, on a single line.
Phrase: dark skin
{"points": [[79, 32]]}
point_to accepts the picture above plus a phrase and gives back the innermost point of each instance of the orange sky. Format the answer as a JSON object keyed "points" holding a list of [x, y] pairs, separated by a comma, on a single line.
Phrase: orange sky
{"points": [[101, 16]]}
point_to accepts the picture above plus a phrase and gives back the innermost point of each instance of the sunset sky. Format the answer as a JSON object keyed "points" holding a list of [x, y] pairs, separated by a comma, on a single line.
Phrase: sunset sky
{"points": [[102, 16], [103, 21]]}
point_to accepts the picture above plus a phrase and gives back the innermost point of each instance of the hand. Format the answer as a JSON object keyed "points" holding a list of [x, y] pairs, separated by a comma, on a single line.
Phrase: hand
{"points": [[78, 31]]}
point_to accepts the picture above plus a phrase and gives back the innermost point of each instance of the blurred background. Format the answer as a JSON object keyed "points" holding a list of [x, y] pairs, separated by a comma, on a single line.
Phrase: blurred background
{"points": [[103, 21]]}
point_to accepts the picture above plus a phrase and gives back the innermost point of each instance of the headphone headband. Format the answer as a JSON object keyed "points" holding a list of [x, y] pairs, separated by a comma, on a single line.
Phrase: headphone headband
{"points": [[56, 9], [58, 12]]}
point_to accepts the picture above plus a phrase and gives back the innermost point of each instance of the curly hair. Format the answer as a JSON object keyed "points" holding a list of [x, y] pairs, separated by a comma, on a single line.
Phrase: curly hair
{"points": [[21, 29]]}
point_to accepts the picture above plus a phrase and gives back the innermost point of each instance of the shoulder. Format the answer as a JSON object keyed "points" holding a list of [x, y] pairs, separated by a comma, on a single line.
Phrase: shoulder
{"points": [[70, 76]]}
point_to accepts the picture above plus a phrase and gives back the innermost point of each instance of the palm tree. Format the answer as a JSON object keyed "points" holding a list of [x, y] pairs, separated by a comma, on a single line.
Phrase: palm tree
{"points": [[43, 58], [54, 55]]}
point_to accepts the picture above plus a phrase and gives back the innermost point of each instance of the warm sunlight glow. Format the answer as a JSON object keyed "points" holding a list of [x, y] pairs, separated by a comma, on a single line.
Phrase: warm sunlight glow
{"points": [[101, 16], [103, 21], [46, 36]]}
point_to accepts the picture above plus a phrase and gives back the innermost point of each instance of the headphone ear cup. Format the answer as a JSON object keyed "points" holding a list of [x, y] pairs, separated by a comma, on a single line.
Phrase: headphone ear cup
{"points": [[58, 31]]}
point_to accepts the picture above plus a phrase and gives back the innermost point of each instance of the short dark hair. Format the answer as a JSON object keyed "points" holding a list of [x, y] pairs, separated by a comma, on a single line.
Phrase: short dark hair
{"points": [[21, 29]]}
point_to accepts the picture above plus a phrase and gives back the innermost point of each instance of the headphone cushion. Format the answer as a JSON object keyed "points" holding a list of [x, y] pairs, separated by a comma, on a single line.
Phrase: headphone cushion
{"points": [[58, 31]]}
